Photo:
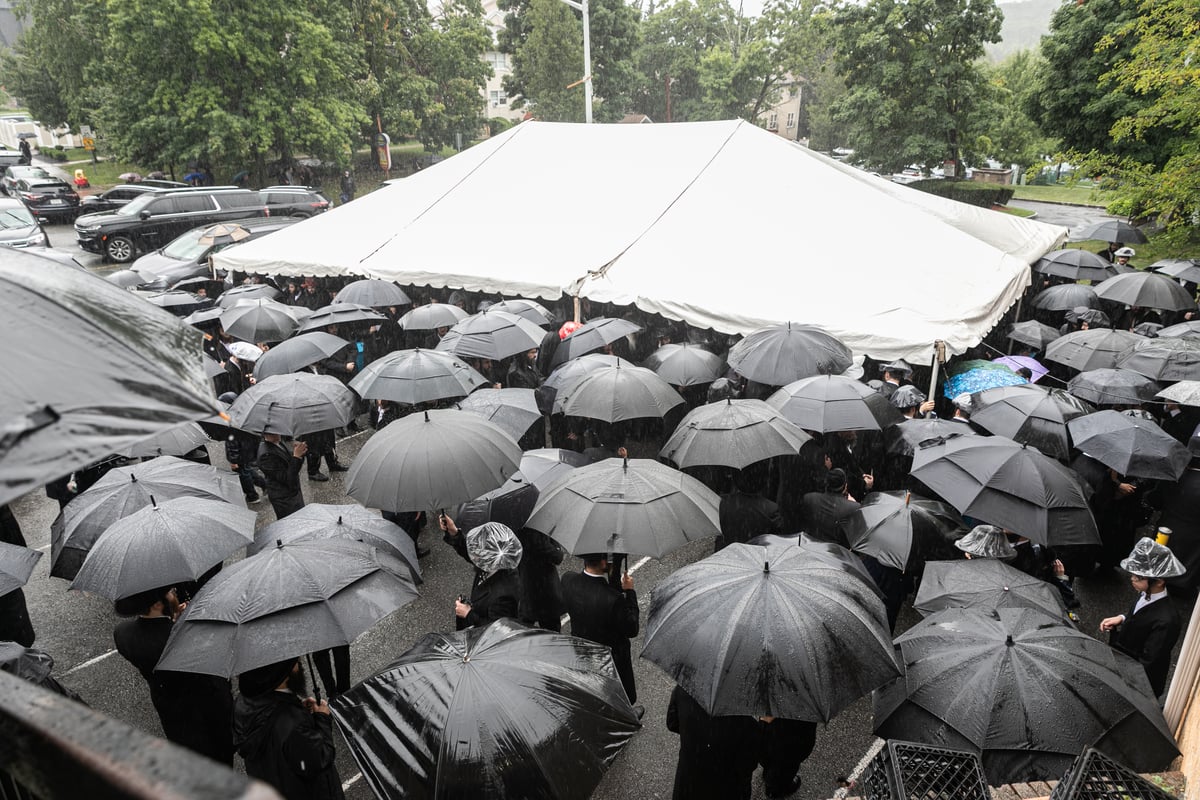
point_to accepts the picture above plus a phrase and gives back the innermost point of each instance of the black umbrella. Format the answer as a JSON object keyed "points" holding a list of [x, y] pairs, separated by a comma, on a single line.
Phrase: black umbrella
{"points": [[1065, 296], [1185, 269], [163, 544], [1027, 692], [1116, 387], [1076, 264], [416, 376], [340, 314], [1182, 330], [322, 521], [985, 584], [1030, 415], [204, 316], [903, 530], [373, 293], [1166, 360], [826, 403], [249, 291], [770, 631], [535, 312], [592, 336], [297, 353], [1095, 348], [178, 302], [90, 369], [1094, 317], [549, 393], [124, 490], [513, 502], [432, 316], [31, 665], [732, 433], [16, 565], [127, 278], [176, 441], [779, 354], [498, 711], [513, 410], [615, 393], [1150, 329], [493, 335], [286, 601], [1033, 333], [998, 481], [1130, 445], [632, 506], [902, 439], [259, 321], [432, 460], [1146, 290], [294, 404], [685, 364], [1110, 230]]}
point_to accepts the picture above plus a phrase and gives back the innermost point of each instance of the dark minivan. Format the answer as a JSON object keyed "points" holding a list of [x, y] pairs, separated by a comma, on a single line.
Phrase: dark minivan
{"points": [[152, 220]]}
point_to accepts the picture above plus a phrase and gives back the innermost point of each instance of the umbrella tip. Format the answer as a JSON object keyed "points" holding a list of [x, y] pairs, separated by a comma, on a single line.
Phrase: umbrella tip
{"points": [[1009, 641], [279, 543], [152, 503], [427, 416], [339, 522], [766, 567]]}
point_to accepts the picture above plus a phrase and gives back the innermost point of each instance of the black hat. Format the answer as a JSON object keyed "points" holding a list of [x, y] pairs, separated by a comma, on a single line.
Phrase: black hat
{"points": [[835, 480], [260, 680], [899, 365]]}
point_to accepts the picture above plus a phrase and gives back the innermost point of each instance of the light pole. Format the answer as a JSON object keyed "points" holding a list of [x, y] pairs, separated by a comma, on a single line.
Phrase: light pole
{"points": [[582, 7]]}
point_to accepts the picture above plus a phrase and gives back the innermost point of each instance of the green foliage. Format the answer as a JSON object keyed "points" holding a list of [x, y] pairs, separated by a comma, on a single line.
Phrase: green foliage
{"points": [[1009, 135], [550, 58], [912, 77], [985, 195]]}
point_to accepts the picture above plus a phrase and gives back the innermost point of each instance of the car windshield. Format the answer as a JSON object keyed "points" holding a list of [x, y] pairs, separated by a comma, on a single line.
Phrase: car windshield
{"points": [[136, 205], [17, 217], [31, 172], [187, 247]]}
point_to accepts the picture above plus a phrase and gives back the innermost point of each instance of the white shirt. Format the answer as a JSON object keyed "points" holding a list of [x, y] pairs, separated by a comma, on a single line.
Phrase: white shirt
{"points": [[1147, 599]]}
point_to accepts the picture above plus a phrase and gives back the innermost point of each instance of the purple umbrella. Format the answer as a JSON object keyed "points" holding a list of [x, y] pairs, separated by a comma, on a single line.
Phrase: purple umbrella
{"points": [[1018, 362]]}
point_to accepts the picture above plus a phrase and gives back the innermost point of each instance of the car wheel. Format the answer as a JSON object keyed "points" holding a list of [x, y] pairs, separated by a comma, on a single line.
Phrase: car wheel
{"points": [[298, 215], [119, 249]]}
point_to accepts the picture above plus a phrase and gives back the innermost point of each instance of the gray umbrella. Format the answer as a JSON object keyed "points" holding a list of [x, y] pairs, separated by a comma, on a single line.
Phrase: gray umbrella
{"points": [[340, 314], [1185, 393], [204, 315], [124, 490], [250, 291], [685, 364], [432, 316], [591, 337], [986, 584], [286, 601], [618, 393], [16, 565], [1075, 264], [1164, 359], [1030, 415], [259, 321], [1130, 445], [637, 507], [826, 403], [1096, 348], [1182, 330], [432, 460], [127, 278], [1110, 230], [779, 354], [904, 438], [416, 376], [732, 433], [1146, 290], [493, 335], [374, 293], [1065, 297], [179, 302], [1033, 333], [177, 441], [293, 405], [550, 393], [535, 312], [163, 544], [513, 410], [1115, 387], [321, 521], [297, 353], [1186, 269]]}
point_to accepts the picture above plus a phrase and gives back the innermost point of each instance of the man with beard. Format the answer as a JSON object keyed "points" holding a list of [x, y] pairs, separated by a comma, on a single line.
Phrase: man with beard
{"points": [[284, 736]]}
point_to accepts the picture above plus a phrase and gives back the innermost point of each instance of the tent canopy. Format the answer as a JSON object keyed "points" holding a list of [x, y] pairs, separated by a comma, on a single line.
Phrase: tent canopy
{"points": [[720, 224]]}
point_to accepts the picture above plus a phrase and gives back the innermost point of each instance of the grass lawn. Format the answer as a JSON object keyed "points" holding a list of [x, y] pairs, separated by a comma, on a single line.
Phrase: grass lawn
{"points": [[1016, 212], [1061, 193]]}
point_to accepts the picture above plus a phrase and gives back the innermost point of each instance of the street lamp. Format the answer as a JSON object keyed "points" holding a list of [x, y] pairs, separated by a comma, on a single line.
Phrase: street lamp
{"points": [[582, 7]]}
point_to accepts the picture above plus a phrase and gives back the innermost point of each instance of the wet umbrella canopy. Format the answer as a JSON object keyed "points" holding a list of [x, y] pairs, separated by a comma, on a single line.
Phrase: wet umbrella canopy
{"points": [[1164, 359], [1065, 297], [259, 321], [1029, 692], [1118, 387], [1146, 290], [373, 293], [1029, 415], [493, 547], [121, 370], [502, 712], [176, 441], [533, 311], [297, 353], [1033, 333], [779, 354], [1096, 348], [903, 530], [16, 565], [512, 410], [685, 364], [826, 403], [493, 335], [551, 392], [592, 336], [1130, 445], [903, 439], [775, 631], [251, 291], [1186, 269], [340, 314], [1094, 317], [732, 433], [1075, 264], [615, 393], [1182, 330], [633, 506], [1110, 230], [431, 316], [286, 601], [294, 404], [416, 376], [986, 584]]}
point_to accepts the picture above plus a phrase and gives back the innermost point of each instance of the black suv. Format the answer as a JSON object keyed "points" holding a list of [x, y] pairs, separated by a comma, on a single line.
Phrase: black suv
{"points": [[48, 198], [294, 201], [114, 198], [150, 221]]}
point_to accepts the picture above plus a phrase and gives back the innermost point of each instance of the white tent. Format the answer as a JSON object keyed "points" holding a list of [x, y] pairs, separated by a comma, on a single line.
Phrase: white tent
{"points": [[720, 224]]}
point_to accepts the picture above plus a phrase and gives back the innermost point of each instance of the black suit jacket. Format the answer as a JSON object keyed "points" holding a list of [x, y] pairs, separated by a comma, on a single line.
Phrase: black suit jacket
{"points": [[824, 514], [282, 472], [744, 516], [1149, 636], [606, 615]]}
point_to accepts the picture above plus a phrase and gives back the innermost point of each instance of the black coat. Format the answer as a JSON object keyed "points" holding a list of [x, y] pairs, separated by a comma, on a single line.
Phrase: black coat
{"points": [[745, 515], [492, 597], [1180, 503], [282, 472], [287, 746], [824, 515], [604, 614], [1149, 636], [196, 711], [541, 588], [523, 375], [717, 755]]}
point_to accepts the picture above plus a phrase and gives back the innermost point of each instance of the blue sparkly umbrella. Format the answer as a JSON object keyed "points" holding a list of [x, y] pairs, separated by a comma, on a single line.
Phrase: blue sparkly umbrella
{"points": [[979, 379]]}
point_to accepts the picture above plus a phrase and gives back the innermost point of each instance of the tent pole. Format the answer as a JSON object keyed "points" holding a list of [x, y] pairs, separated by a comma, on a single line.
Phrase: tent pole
{"points": [[577, 310], [939, 358]]}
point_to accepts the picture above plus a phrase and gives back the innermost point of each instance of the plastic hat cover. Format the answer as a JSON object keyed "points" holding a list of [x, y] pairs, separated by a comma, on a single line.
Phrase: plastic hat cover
{"points": [[493, 547], [986, 541], [1152, 560]]}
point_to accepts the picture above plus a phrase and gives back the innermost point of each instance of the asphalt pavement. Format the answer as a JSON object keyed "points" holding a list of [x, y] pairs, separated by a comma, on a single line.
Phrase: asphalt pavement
{"points": [[76, 630]]}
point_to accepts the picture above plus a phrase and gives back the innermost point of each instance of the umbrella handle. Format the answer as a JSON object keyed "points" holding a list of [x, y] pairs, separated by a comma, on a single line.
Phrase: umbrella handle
{"points": [[939, 358], [312, 671]]}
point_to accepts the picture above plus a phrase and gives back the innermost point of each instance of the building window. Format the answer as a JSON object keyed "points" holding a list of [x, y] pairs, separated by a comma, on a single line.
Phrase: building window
{"points": [[773, 122], [497, 99], [498, 61], [791, 119]]}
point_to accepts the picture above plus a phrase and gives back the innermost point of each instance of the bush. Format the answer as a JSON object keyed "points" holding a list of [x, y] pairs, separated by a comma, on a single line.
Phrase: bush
{"points": [[985, 195], [59, 156]]}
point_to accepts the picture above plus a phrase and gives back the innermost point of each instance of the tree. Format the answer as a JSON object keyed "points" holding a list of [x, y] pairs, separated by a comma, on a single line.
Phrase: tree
{"points": [[912, 76], [1007, 132], [550, 58]]}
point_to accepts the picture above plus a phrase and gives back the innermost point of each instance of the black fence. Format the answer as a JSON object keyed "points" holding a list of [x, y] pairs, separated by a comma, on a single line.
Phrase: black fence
{"points": [[911, 771]]}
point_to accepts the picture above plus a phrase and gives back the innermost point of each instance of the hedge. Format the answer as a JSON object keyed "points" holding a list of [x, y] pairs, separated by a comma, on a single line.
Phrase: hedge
{"points": [[977, 194]]}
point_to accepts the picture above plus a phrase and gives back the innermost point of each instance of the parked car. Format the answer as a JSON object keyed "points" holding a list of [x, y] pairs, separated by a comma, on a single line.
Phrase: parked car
{"points": [[187, 257], [48, 198], [9, 157], [13, 174], [154, 219], [114, 198], [18, 228], [294, 201]]}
